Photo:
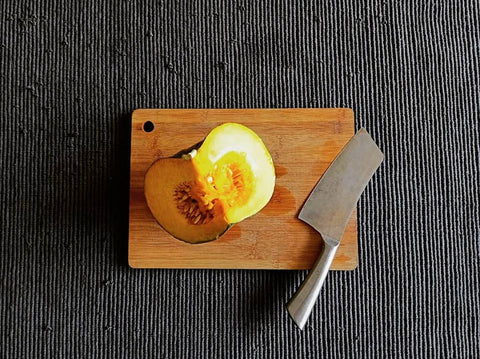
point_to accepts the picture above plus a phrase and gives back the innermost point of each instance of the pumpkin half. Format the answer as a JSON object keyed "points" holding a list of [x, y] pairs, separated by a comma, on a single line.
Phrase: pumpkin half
{"points": [[199, 195]]}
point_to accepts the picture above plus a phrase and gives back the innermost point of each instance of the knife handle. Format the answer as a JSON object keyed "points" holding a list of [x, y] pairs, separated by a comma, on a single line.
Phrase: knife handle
{"points": [[301, 304]]}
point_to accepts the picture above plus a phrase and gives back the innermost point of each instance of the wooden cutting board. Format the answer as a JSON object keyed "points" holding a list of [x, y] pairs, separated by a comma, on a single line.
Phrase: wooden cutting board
{"points": [[302, 142]]}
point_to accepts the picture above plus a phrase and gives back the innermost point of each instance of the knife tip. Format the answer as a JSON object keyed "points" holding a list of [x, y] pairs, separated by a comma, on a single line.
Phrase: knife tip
{"points": [[362, 130]]}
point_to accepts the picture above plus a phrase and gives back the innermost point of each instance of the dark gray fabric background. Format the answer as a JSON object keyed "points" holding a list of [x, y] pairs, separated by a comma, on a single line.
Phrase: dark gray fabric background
{"points": [[71, 72]]}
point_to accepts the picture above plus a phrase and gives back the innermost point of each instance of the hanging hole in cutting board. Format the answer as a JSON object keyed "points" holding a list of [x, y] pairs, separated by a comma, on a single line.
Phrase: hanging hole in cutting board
{"points": [[148, 126]]}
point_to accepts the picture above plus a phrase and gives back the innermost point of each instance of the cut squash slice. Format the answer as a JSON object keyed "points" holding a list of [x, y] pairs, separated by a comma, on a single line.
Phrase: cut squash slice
{"points": [[197, 197]]}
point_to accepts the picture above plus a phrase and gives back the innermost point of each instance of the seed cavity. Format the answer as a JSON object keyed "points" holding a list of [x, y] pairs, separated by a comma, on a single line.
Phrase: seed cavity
{"points": [[197, 210], [197, 206]]}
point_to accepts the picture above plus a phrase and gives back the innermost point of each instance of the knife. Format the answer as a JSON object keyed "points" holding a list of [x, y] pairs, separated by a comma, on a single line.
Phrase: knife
{"points": [[328, 209]]}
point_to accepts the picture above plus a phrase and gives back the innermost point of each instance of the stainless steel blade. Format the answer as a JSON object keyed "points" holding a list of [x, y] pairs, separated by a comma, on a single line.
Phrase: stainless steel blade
{"points": [[333, 199]]}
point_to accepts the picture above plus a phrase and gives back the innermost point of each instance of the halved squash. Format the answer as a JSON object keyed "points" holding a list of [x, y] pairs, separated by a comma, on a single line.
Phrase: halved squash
{"points": [[198, 196]]}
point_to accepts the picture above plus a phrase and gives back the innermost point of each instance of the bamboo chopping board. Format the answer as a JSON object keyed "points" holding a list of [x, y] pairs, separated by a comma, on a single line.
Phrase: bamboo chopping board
{"points": [[302, 142]]}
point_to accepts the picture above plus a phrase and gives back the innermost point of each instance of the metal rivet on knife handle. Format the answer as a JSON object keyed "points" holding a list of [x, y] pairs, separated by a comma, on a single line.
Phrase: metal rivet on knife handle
{"points": [[328, 209]]}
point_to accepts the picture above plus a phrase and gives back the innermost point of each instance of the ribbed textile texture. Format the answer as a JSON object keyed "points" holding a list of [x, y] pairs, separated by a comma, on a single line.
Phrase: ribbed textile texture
{"points": [[72, 72]]}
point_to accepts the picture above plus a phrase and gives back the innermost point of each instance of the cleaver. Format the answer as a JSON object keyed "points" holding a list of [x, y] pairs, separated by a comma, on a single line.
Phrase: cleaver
{"points": [[328, 209]]}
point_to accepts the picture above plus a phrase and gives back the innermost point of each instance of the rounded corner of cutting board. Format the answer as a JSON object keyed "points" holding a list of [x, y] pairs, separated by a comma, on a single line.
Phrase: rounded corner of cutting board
{"points": [[350, 113], [132, 263], [350, 266]]}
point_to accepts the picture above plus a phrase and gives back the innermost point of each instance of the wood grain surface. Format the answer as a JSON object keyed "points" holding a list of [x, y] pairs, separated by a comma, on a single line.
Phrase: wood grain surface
{"points": [[302, 142]]}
